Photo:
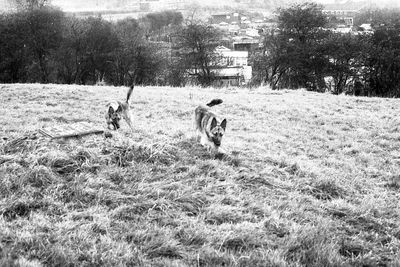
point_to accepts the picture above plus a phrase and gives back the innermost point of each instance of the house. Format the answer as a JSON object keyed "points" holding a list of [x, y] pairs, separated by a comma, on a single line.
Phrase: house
{"points": [[343, 11], [233, 68], [245, 43], [366, 27], [225, 18], [342, 29]]}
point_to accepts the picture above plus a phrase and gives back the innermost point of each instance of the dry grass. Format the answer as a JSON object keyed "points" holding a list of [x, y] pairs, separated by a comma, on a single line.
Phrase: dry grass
{"points": [[307, 180]]}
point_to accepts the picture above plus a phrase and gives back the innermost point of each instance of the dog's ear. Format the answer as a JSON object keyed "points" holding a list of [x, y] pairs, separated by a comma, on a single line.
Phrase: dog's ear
{"points": [[110, 110], [213, 123], [223, 124]]}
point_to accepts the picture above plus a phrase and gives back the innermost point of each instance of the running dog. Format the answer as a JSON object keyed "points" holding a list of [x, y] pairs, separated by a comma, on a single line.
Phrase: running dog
{"points": [[209, 127], [117, 110]]}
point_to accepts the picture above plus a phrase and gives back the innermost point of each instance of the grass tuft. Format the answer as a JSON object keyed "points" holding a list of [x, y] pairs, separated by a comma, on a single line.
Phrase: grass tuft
{"points": [[351, 249], [65, 166], [276, 227], [394, 182], [189, 237], [40, 176], [233, 160], [167, 250], [211, 257], [219, 214], [313, 246], [21, 144], [157, 153], [15, 208], [325, 190], [132, 212], [193, 204]]}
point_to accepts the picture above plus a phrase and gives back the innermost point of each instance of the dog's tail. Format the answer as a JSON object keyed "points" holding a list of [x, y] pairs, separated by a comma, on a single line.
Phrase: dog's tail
{"points": [[215, 102], [129, 93]]}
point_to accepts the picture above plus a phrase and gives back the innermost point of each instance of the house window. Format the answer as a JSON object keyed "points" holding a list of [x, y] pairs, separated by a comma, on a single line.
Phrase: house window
{"points": [[241, 61], [230, 61]]}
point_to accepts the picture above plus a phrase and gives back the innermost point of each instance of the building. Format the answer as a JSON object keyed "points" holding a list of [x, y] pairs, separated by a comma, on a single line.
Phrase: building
{"points": [[344, 11], [233, 68], [225, 19], [244, 43]]}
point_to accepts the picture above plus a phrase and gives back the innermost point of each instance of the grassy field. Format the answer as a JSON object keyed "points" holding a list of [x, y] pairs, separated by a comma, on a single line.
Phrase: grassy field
{"points": [[310, 180]]}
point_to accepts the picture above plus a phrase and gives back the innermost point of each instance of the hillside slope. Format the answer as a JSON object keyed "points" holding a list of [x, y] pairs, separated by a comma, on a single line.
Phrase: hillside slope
{"points": [[310, 179]]}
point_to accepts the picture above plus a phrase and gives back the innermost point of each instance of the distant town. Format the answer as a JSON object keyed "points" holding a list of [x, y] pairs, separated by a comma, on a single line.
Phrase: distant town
{"points": [[140, 7], [244, 28]]}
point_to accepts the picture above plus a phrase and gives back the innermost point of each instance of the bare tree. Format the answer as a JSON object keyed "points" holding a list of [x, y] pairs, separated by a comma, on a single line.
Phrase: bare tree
{"points": [[30, 4], [196, 43]]}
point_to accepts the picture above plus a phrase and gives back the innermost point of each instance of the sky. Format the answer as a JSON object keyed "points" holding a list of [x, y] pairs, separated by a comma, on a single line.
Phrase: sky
{"points": [[381, 3], [377, 2], [73, 5]]}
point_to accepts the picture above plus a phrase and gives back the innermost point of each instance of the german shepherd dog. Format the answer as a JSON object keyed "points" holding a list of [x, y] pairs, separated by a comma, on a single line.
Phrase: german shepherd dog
{"points": [[117, 110], [209, 127]]}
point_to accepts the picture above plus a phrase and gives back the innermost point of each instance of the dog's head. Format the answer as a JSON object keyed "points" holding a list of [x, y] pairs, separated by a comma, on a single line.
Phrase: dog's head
{"points": [[115, 117], [217, 131]]}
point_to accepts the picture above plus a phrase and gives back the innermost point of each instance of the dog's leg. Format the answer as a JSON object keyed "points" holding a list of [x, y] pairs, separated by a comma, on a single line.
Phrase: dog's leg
{"points": [[196, 131], [203, 140], [221, 150], [206, 144], [128, 119], [197, 135], [115, 126]]}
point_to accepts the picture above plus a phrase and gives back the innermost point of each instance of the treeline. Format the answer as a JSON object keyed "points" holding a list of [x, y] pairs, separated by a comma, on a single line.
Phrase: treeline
{"points": [[43, 44], [303, 53]]}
